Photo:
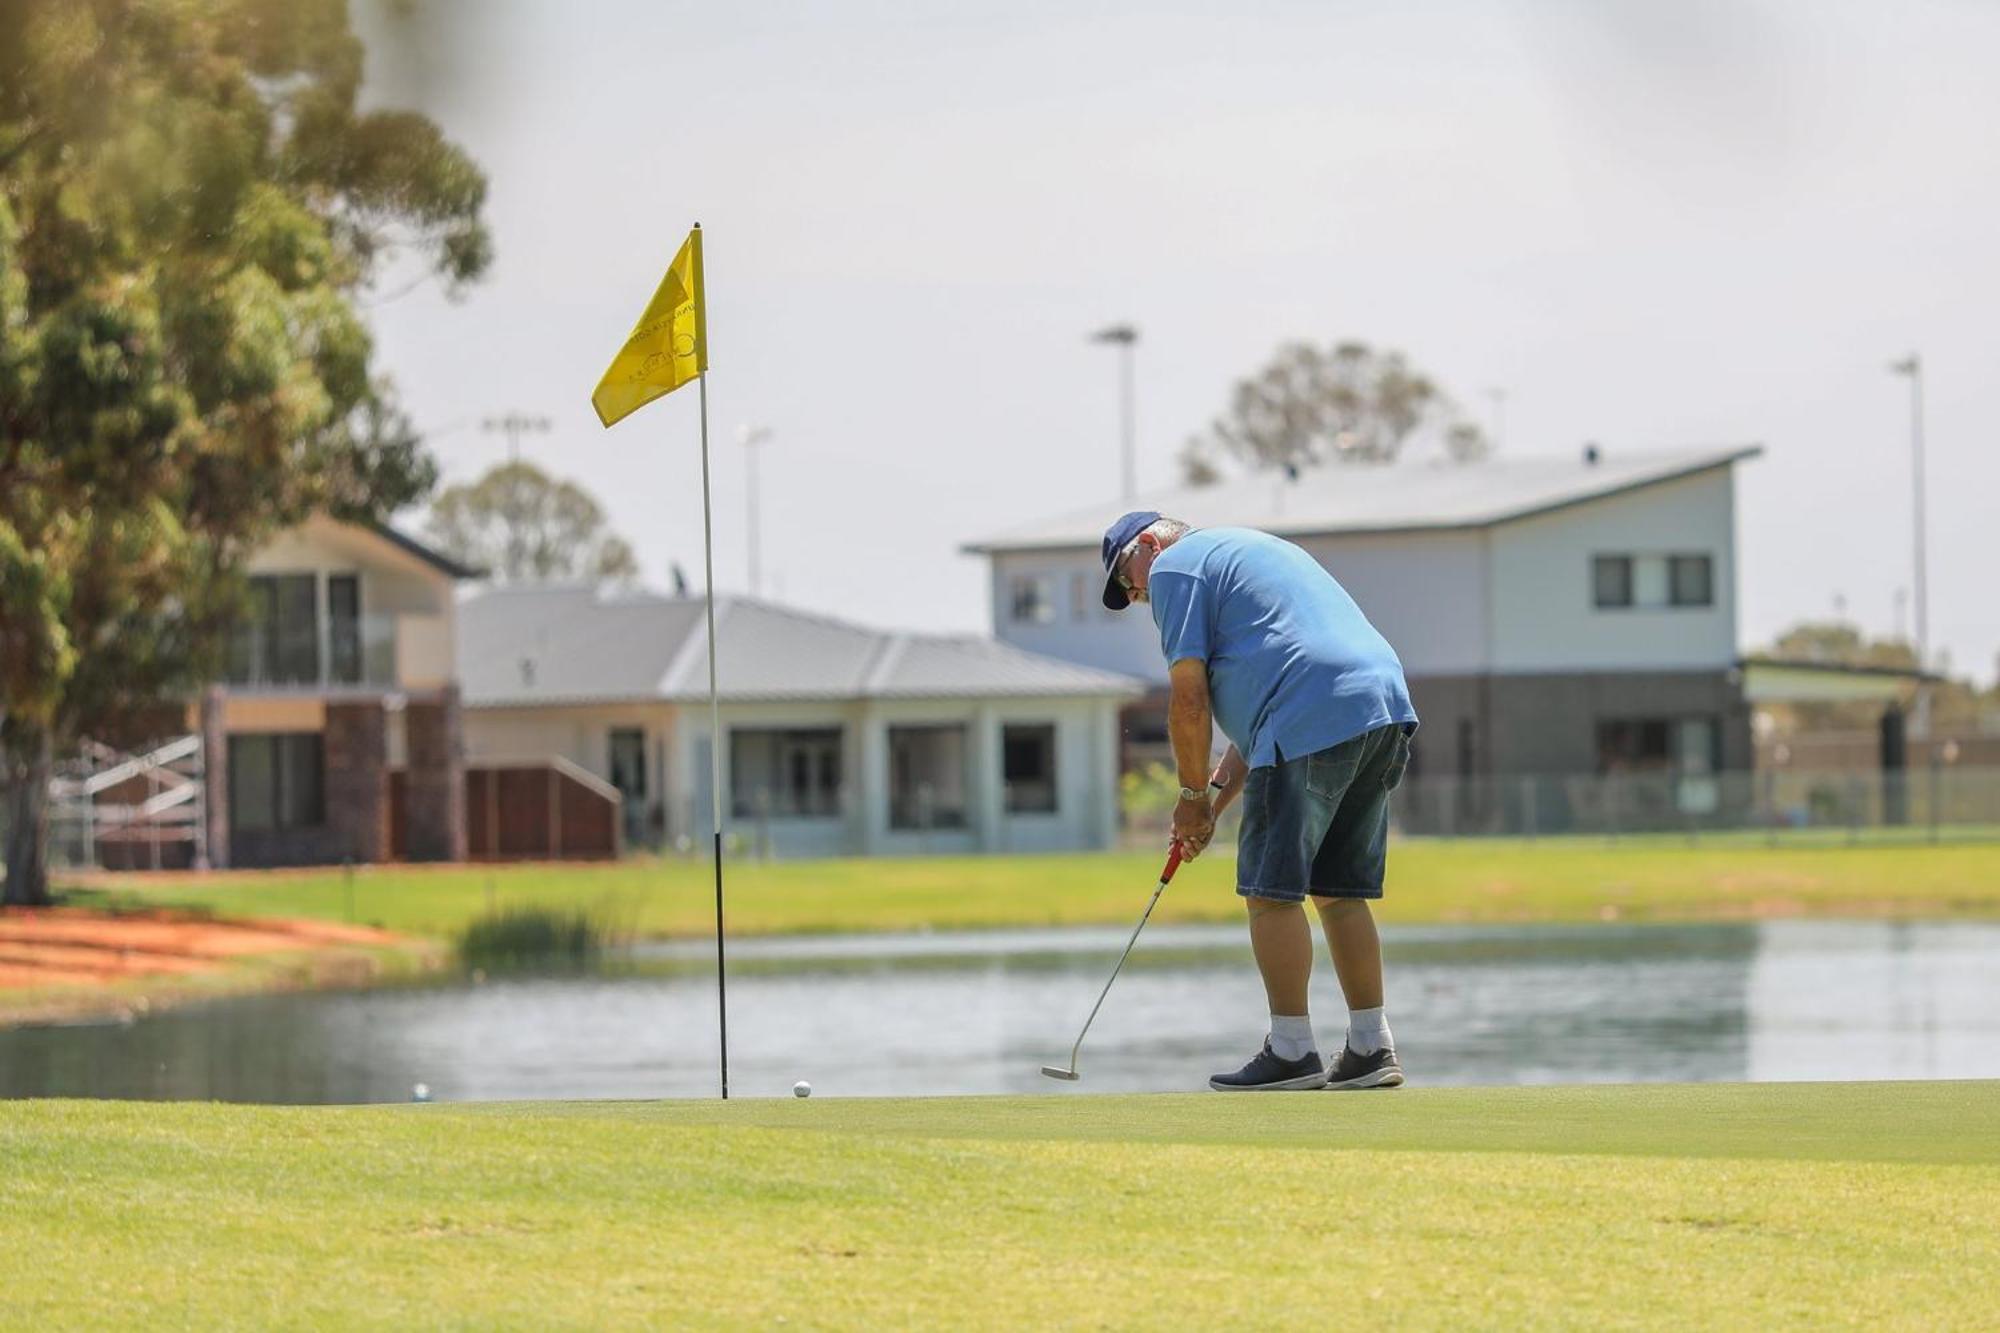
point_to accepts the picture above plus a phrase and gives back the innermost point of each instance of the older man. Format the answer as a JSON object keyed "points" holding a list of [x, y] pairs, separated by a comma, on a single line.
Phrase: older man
{"points": [[1264, 642]]}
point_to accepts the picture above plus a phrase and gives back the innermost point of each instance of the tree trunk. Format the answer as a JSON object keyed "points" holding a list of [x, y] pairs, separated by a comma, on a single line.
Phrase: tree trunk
{"points": [[28, 758]]}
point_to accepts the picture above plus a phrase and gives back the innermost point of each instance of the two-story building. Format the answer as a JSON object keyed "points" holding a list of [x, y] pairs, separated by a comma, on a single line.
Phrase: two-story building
{"points": [[1554, 616], [343, 675]]}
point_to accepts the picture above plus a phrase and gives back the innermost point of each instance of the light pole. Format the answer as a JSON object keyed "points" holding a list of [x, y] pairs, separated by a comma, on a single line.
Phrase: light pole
{"points": [[1913, 366], [751, 437], [514, 425], [1499, 397], [1124, 336]]}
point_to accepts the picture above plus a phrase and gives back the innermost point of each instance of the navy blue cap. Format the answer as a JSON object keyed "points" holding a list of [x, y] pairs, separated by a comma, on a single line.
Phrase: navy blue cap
{"points": [[1116, 538]]}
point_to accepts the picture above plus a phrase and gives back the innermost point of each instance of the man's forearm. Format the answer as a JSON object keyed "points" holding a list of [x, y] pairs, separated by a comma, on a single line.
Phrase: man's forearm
{"points": [[1191, 728], [1232, 770]]}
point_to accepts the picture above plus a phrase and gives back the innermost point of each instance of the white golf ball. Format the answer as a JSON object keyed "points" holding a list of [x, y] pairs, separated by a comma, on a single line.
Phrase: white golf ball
{"points": [[802, 1089]]}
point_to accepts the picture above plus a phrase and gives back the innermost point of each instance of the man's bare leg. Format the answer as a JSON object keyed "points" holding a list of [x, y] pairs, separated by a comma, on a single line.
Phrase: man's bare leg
{"points": [[1368, 1059], [1355, 948], [1281, 940], [1282, 943]]}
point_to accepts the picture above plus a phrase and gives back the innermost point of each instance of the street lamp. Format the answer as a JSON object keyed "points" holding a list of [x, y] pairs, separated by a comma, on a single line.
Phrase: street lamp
{"points": [[514, 425], [1913, 366], [751, 437], [1124, 336]]}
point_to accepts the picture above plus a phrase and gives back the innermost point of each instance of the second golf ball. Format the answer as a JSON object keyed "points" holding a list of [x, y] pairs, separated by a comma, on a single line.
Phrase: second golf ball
{"points": [[802, 1089]]}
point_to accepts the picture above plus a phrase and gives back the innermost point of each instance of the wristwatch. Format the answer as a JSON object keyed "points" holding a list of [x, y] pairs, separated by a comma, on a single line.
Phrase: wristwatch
{"points": [[1194, 794]]}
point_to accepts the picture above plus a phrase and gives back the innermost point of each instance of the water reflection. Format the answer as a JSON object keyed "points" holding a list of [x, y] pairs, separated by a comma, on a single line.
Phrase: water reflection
{"points": [[910, 1015]]}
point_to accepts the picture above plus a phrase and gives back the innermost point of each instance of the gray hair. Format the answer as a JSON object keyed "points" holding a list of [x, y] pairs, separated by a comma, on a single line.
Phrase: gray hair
{"points": [[1167, 529]]}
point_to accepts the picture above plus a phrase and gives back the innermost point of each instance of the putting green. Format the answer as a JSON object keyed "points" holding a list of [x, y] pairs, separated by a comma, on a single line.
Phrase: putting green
{"points": [[1663, 1205]]}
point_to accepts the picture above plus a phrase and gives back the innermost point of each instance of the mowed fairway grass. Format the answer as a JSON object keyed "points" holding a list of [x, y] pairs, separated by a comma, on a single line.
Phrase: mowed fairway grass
{"points": [[1664, 1206], [1480, 881]]}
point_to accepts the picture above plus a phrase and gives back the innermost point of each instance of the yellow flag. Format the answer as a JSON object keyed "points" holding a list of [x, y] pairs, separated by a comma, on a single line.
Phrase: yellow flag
{"points": [[667, 348]]}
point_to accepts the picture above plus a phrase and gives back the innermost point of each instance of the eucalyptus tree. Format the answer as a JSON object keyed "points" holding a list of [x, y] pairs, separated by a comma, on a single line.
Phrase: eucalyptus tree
{"points": [[191, 201], [1311, 405]]}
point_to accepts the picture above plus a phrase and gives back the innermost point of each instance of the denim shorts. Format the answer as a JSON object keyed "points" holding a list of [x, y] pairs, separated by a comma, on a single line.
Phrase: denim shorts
{"points": [[1319, 824]]}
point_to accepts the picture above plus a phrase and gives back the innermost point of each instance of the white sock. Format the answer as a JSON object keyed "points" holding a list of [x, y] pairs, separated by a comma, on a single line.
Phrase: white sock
{"points": [[1292, 1038], [1367, 1031]]}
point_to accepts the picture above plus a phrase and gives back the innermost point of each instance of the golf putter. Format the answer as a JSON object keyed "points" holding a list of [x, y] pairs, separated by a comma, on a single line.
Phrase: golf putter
{"points": [[1166, 876]]}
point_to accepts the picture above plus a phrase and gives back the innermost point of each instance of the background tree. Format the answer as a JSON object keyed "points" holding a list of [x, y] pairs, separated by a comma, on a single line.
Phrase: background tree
{"points": [[1954, 704], [523, 526], [189, 204], [1348, 403]]}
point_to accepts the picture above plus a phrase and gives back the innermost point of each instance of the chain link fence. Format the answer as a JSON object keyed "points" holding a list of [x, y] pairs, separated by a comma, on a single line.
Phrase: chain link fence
{"points": [[1940, 803]]}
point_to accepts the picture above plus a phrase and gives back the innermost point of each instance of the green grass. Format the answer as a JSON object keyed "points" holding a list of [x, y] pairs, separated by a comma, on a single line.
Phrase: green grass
{"points": [[1429, 881], [1795, 1204]]}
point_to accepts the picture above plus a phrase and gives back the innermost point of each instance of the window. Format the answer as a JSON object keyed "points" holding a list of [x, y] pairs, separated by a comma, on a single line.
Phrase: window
{"points": [[1626, 744], [927, 777], [277, 781], [628, 775], [1611, 578], [791, 773], [1034, 599], [343, 611], [1028, 767], [277, 642], [1685, 745], [1083, 595], [1652, 581], [1690, 580]]}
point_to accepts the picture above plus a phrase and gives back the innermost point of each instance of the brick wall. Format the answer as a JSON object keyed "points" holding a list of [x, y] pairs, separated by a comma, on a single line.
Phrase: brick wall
{"points": [[357, 781], [433, 812]]}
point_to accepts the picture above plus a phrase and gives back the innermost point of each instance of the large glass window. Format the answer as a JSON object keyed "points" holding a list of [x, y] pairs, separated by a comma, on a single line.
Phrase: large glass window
{"points": [[1028, 767], [343, 611], [791, 773], [1611, 580], [278, 641], [927, 777], [277, 781], [1691, 580]]}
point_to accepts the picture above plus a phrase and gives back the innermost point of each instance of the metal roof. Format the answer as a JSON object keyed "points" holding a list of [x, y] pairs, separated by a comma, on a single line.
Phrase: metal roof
{"points": [[436, 559], [570, 644], [1404, 497]]}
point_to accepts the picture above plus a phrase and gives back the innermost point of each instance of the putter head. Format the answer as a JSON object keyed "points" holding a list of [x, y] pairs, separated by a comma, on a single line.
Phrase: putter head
{"points": [[1066, 1075]]}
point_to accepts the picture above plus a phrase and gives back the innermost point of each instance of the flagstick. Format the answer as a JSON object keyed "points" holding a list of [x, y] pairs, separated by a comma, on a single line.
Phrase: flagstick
{"points": [[714, 742]]}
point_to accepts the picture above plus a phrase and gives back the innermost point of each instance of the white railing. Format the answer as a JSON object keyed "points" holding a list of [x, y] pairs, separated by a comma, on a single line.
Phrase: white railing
{"points": [[172, 812]]}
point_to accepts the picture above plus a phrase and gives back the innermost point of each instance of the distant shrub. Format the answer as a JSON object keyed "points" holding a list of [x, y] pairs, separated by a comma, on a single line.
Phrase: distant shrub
{"points": [[1152, 790], [530, 937]]}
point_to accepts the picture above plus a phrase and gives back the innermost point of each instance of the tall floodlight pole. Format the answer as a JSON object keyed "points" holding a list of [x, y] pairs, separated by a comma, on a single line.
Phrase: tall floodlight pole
{"points": [[1124, 337], [751, 437], [1913, 366], [514, 425]]}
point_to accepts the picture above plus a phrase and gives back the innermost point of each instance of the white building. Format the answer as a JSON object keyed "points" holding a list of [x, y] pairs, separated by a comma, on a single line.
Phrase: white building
{"points": [[1554, 616], [840, 739]]}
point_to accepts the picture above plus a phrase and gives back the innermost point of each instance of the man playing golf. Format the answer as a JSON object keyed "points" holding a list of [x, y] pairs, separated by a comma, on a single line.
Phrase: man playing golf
{"points": [[1264, 642]]}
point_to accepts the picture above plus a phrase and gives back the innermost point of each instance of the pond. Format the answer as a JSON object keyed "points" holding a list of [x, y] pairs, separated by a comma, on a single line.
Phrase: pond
{"points": [[980, 1012]]}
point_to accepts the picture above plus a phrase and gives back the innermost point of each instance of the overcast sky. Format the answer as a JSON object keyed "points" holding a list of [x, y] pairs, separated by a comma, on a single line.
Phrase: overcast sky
{"points": [[1652, 225]]}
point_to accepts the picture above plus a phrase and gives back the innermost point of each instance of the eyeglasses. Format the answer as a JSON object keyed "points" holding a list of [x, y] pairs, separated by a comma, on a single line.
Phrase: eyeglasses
{"points": [[1118, 565]]}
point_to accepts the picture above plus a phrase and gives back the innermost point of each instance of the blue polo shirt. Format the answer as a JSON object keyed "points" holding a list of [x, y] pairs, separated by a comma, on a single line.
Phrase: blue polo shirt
{"points": [[1293, 665]]}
